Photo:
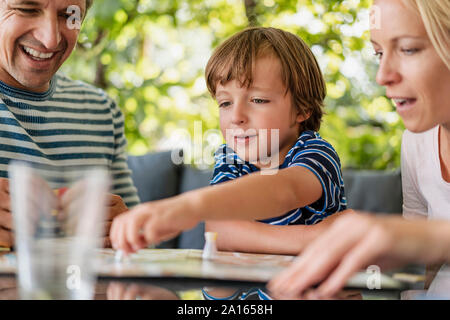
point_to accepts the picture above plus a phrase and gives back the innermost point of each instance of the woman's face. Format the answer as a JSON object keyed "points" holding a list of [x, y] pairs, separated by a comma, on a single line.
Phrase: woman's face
{"points": [[413, 73]]}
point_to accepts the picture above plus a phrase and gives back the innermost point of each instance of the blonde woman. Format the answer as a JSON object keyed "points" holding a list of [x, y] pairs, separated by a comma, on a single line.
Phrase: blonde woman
{"points": [[413, 45]]}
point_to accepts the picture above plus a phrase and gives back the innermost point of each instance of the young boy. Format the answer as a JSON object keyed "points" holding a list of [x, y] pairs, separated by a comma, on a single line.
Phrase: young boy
{"points": [[274, 167]]}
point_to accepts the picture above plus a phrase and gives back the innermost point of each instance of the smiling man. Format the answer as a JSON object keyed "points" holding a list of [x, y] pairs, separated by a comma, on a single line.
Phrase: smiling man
{"points": [[48, 119]]}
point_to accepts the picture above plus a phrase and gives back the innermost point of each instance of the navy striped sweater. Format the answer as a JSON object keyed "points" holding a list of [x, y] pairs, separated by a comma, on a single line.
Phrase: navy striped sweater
{"points": [[70, 126], [311, 152]]}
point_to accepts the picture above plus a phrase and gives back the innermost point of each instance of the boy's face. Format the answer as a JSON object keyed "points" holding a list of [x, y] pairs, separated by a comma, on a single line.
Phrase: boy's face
{"points": [[251, 118]]}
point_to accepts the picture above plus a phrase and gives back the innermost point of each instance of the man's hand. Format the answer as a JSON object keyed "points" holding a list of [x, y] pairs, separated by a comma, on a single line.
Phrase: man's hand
{"points": [[115, 206], [6, 222], [8, 288], [70, 204]]}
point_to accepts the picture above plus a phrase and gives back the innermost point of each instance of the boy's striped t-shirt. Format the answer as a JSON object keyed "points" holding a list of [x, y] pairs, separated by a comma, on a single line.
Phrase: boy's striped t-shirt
{"points": [[311, 152], [69, 127]]}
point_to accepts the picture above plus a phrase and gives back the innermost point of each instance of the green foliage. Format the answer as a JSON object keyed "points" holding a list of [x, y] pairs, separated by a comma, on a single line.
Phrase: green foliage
{"points": [[150, 56]]}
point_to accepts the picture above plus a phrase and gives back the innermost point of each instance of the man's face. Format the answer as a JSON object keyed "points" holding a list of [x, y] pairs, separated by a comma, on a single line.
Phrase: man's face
{"points": [[36, 37]]}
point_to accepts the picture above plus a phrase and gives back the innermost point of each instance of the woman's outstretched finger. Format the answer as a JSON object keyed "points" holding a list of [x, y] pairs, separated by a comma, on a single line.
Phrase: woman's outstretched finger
{"points": [[319, 259], [365, 253]]}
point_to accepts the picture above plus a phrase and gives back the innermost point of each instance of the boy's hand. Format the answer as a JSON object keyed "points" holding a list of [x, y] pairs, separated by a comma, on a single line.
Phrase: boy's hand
{"points": [[151, 223]]}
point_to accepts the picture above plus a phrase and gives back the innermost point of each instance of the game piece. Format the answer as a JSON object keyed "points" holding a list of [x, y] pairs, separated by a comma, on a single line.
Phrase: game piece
{"points": [[9, 259], [119, 256], [210, 249]]}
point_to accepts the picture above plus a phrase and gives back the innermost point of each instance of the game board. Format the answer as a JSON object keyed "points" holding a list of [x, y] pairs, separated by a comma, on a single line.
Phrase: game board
{"points": [[188, 263]]}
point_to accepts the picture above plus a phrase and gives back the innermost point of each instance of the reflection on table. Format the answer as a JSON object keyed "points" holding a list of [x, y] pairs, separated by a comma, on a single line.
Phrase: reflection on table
{"points": [[182, 274], [115, 289]]}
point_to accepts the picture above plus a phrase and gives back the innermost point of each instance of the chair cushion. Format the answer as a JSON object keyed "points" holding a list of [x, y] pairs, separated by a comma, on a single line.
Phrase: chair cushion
{"points": [[374, 191], [154, 175], [191, 179]]}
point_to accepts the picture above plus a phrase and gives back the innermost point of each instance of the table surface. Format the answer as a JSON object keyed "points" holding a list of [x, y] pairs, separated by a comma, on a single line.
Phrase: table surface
{"points": [[183, 274]]}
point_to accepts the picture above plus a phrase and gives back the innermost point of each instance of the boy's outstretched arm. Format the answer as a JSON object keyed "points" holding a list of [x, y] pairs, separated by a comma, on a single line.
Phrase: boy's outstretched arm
{"points": [[258, 237], [255, 196]]}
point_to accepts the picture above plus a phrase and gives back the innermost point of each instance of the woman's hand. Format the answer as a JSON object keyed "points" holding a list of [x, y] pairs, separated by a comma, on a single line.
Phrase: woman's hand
{"points": [[352, 243]]}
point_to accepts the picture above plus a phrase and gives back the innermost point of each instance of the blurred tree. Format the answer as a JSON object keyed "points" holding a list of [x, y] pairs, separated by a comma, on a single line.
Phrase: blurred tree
{"points": [[150, 56]]}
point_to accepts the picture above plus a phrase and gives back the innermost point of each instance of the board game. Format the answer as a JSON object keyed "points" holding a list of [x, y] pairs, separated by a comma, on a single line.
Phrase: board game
{"points": [[188, 263]]}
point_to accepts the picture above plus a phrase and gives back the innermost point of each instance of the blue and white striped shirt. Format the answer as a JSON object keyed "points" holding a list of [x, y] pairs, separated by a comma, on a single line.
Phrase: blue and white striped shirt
{"points": [[311, 152], [70, 126]]}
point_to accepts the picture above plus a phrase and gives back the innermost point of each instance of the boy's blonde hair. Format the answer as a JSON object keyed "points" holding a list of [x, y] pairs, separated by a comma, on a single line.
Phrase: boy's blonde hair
{"points": [[436, 18], [235, 59]]}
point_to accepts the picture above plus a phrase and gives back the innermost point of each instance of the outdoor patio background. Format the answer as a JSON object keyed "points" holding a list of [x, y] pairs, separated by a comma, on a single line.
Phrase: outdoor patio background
{"points": [[150, 55]]}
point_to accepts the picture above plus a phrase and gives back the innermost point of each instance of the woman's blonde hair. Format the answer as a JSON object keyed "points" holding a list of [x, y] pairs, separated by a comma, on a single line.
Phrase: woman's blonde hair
{"points": [[436, 18], [234, 60]]}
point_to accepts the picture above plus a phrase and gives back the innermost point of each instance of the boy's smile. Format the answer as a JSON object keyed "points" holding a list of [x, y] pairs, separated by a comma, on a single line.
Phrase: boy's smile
{"points": [[259, 121], [244, 139]]}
